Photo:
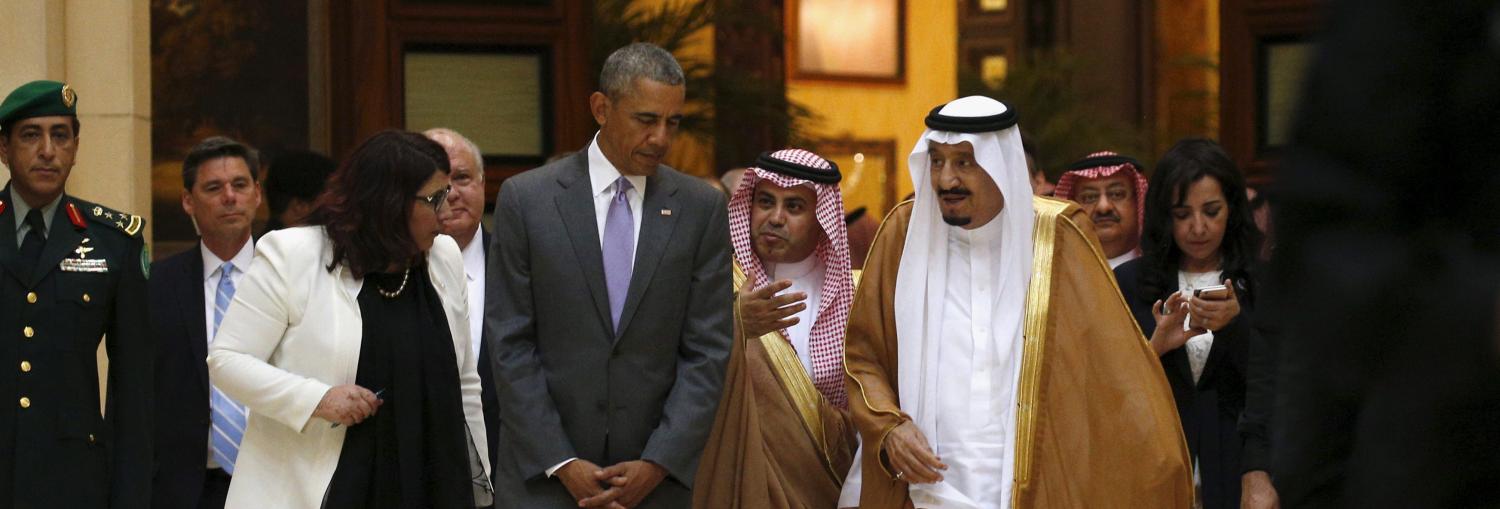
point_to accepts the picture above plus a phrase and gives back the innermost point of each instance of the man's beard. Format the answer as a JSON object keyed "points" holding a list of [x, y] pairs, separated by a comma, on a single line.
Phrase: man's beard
{"points": [[957, 220]]}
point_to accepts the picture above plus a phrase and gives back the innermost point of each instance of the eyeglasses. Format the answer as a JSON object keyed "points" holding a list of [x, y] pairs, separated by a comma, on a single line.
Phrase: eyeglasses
{"points": [[436, 200]]}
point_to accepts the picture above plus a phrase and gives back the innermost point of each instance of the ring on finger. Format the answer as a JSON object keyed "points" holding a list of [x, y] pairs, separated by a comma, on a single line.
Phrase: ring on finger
{"points": [[899, 475]]}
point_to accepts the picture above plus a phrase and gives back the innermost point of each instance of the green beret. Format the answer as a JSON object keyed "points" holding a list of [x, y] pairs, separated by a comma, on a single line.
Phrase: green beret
{"points": [[39, 98]]}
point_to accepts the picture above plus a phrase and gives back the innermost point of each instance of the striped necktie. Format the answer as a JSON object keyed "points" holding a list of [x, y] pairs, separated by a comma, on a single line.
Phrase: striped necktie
{"points": [[227, 417]]}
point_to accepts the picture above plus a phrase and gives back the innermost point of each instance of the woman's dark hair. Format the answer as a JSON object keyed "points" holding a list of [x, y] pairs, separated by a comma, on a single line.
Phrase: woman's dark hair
{"points": [[367, 202], [1189, 161]]}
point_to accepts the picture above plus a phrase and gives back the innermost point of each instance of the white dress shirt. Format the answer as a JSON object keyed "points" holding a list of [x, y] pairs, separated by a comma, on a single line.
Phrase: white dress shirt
{"points": [[1117, 261], [211, 277], [807, 277], [211, 265], [474, 272], [602, 177]]}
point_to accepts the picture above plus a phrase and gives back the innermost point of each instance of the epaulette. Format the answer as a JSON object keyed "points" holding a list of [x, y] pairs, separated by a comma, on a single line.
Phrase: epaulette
{"points": [[130, 224]]}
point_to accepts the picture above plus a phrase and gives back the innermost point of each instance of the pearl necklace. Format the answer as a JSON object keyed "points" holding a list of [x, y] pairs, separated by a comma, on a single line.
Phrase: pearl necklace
{"points": [[399, 289]]}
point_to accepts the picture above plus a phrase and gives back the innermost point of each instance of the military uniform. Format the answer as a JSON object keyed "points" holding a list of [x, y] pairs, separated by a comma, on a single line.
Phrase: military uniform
{"points": [[88, 284]]}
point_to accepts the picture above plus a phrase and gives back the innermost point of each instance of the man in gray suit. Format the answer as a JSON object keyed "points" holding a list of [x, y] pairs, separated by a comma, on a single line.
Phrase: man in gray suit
{"points": [[610, 306]]}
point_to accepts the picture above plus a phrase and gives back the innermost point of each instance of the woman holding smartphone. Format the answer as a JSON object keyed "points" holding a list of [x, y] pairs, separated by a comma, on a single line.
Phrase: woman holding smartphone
{"points": [[1192, 292], [348, 341]]}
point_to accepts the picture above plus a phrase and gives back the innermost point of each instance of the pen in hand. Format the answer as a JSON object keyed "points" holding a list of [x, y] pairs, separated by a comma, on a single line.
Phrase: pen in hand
{"points": [[377, 396]]}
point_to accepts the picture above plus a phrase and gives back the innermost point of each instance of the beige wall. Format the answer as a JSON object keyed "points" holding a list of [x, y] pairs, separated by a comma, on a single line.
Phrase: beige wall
{"points": [[102, 48], [869, 111]]}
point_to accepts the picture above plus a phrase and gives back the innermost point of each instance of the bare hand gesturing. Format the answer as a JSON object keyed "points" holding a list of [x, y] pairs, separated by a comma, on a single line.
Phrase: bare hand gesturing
{"points": [[762, 311]]}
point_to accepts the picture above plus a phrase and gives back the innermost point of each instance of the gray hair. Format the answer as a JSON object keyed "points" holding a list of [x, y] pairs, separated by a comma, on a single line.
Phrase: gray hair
{"points": [[638, 60], [463, 142]]}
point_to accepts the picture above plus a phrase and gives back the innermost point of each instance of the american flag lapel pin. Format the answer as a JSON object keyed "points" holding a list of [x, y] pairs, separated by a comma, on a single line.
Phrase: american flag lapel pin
{"points": [[666, 212]]}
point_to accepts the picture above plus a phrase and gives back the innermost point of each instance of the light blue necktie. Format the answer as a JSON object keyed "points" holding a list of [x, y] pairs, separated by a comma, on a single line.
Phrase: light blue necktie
{"points": [[619, 248], [227, 416]]}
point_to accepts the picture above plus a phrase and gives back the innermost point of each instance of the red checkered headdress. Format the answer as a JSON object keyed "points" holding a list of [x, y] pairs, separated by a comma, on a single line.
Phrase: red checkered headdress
{"points": [[1104, 164], [797, 167]]}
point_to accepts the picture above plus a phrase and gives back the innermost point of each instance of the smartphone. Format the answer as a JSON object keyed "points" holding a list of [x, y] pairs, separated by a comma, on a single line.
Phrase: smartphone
{"points": [[1212, 292]]}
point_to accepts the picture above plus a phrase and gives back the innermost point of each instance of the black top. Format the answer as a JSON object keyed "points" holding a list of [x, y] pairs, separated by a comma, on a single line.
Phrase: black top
{"points": [[1210, 408], [414, 451]]}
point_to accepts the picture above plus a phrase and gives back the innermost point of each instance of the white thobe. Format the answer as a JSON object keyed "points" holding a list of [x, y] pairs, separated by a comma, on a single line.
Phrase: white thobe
{"points": [[807, 277], [971, 428]]}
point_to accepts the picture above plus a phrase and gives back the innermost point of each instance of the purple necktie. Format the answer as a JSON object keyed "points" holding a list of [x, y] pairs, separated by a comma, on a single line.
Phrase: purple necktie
{"points": [[619, 248]]}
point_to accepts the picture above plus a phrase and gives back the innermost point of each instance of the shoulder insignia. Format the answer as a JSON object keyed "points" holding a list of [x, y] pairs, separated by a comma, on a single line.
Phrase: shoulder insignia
{"points": [[75, 217], [131, 224]]}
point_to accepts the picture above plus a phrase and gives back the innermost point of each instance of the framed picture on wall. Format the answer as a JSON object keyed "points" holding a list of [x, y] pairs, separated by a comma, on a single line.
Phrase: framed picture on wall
{"points": [[986, 11], [499, 100], [865, 42], [869, 172], [1281, 68], [988, 57]]}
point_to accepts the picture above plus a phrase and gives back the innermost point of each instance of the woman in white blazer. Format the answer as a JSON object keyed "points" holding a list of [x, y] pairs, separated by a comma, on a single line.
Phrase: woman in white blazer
{"points": [[348, 343]]}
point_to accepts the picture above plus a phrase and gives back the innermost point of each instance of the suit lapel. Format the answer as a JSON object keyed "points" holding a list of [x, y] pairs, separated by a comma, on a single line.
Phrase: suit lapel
{"points": [[62, 238], [484, 236], [194, 306], [576, 207], [656, 230], [10, 256]]}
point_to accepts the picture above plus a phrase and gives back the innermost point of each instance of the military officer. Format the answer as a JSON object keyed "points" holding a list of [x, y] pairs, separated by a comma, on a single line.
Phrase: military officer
{"points": [[71, 273]]}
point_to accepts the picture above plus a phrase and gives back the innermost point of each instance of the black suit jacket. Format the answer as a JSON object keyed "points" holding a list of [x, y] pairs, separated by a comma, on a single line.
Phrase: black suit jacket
{"points": [[55, 449], [1388, 262], [569, 385], [182, 413], [1210, 409]]}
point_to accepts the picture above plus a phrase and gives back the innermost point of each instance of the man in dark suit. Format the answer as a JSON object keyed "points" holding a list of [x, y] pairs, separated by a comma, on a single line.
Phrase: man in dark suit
{"points": [[196, 435], [71, 272], [464, 222], [609, 307], [1388, 263]]}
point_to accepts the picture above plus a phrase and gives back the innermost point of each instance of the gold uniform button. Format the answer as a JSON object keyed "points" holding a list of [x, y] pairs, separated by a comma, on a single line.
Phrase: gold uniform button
{"points": [[85, 297], [91, 438], [31, 297], [28, 331], [25, 402], [25, 366]]}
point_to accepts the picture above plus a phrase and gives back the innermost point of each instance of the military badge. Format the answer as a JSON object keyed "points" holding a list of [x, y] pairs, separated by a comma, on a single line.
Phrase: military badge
{"points": [[82, 262], [69, 97]]}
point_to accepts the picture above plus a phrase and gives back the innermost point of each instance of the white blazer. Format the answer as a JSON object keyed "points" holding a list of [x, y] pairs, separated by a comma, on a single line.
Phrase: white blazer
{"points": [[294, 331]]}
